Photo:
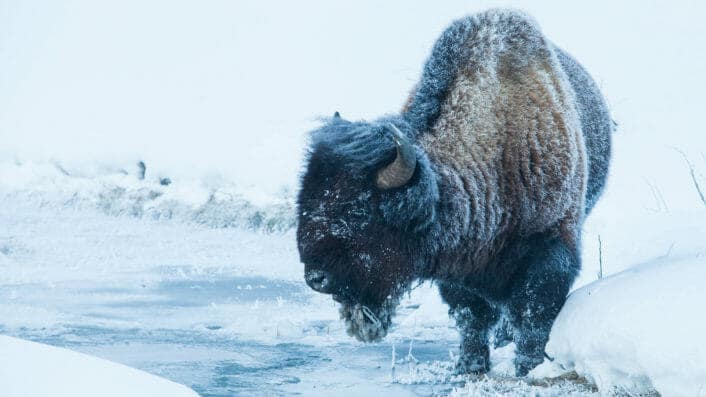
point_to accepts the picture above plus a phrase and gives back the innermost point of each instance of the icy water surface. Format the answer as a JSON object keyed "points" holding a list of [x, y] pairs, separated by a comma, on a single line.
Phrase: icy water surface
{"points": [[209, 360], [224, 311]]}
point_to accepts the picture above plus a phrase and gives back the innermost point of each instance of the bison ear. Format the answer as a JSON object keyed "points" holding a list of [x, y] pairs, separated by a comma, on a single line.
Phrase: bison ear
{"points": [[337, 116]]}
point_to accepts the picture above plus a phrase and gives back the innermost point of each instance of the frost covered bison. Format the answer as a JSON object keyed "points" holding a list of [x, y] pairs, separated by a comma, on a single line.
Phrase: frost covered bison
{"points": [[481, 184]]}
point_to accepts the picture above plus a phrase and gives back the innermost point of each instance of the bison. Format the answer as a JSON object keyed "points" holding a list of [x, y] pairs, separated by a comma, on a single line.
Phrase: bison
{"points": [[481, 183]]}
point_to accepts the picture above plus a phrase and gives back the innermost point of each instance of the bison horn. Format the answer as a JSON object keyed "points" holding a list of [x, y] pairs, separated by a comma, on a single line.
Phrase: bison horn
{"points": [[400, 171]]}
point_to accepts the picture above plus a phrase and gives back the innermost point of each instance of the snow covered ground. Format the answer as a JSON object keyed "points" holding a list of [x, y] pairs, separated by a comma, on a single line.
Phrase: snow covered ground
{"points": [[31, 369], [196, 278]]}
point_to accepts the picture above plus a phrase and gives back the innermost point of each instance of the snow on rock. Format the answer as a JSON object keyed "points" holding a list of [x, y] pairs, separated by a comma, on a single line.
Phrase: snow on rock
{"points": [[638, 330], [30, 369]]}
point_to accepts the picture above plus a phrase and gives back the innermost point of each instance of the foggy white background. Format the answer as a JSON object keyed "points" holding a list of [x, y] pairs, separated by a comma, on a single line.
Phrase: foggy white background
{"points": [[232, 87]]}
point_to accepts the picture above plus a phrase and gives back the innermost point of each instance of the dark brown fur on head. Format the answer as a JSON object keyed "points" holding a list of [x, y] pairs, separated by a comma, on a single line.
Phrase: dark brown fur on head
{"points": [[350, 247]]}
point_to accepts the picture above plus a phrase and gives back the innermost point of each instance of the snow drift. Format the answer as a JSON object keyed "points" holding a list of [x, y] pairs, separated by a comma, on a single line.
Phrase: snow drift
{"points": [[30, 369], [638, 330]]}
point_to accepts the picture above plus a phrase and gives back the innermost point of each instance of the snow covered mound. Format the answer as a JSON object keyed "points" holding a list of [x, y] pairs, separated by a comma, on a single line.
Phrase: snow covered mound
{"points": [[638, 330], [30, 369]]}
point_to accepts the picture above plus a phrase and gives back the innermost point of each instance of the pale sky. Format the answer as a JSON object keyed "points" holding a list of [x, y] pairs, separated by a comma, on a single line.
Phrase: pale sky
{"points": [[233, 86]]}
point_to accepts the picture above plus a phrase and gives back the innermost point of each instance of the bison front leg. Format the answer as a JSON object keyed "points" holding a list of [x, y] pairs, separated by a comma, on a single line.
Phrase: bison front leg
{"points": [[538, 294], [474, 318]]}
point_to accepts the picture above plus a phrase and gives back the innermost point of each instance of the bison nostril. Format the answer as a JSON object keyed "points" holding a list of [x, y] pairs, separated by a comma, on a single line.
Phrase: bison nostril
{"points": [[318, 280]]}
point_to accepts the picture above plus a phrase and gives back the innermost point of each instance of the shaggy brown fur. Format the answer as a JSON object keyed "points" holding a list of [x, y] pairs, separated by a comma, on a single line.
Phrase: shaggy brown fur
{"points": [[509, 137]]}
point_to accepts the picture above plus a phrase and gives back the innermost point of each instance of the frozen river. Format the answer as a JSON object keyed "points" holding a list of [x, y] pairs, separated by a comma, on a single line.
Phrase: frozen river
{"points": [[223, 311], [203, 356]]}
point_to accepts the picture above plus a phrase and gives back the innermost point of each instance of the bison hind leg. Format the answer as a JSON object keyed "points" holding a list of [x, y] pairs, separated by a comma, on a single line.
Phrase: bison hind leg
{"points": [[475, 318], [538, 294]]}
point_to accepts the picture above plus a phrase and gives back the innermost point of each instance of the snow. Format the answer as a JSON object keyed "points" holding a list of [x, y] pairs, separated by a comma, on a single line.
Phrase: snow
{"points": [[639, 329], [116, 189], [33, 369], [199, 281]]}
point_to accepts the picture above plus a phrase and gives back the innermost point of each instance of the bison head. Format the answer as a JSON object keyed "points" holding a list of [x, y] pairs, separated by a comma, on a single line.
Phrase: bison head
{"points": [[367, 195]]}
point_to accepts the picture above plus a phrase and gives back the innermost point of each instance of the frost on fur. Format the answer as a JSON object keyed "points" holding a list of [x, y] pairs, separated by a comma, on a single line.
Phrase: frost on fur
{"points": [[489, 172]]}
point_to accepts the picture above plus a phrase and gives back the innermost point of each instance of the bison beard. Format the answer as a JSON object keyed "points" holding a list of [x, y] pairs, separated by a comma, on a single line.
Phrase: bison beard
{"points": [[481, 183], [364, 324]]}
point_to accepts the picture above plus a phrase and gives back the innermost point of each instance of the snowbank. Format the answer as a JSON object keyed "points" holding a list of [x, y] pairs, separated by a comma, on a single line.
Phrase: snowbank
{"points": [[32, 369], [639, 329], [122, 188]]}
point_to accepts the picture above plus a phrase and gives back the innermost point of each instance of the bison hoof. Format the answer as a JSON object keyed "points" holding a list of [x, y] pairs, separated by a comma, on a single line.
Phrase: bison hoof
{"points": [[476, 366], [524, 364]]}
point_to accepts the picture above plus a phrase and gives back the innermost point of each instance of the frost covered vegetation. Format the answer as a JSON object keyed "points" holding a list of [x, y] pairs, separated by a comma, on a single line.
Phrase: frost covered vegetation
{"points": [[114, 190]]}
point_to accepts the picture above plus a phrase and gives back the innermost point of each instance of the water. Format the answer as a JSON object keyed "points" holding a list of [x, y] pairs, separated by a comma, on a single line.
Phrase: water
{"points": [[211, 361]]}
